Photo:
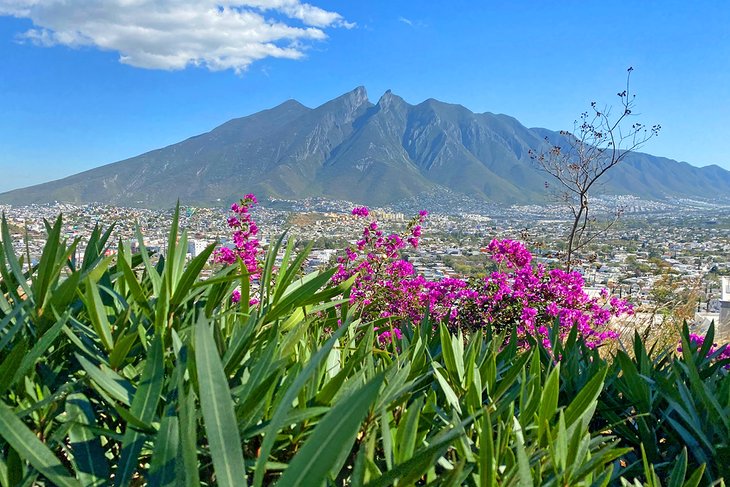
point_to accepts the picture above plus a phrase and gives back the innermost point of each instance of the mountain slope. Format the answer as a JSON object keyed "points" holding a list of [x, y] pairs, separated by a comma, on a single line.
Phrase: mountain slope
{"points": [[349, 148]]}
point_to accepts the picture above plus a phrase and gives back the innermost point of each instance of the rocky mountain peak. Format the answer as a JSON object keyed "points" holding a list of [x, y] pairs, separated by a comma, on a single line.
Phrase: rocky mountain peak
{"points": [[348, 106], [389, 101], [356, 98]]}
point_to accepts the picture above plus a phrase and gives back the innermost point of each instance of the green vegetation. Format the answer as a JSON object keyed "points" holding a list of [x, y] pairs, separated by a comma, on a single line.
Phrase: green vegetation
{"points": [[132, 370]]}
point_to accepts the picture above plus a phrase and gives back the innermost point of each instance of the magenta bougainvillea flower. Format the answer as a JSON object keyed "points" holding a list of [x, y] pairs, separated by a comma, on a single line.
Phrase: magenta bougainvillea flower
{"points": [[246, 245], [527, 298], [521, 295], [721, 353]]}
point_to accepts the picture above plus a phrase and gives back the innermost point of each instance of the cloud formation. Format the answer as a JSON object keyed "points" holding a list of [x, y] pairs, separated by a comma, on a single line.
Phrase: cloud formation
{"points": [[174, 34]]}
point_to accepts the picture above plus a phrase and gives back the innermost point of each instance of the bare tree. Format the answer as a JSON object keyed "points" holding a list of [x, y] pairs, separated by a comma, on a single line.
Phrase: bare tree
{"points": [[599, 141]]}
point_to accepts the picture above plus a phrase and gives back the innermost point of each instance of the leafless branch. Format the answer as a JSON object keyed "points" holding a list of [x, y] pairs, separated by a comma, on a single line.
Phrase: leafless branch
{"points": [[599, 141]]}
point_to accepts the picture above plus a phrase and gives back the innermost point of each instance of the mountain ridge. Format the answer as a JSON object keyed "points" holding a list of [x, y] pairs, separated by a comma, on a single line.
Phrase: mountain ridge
{"points": [[349, 148]]}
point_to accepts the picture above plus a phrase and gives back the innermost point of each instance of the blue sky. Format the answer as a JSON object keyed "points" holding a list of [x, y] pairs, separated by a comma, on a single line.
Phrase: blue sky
{"points": [[86, 83]]}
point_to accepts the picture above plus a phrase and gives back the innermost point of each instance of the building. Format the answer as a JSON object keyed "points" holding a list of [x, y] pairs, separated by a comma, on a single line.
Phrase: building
{"points": [[723, 324], [195, 247]]}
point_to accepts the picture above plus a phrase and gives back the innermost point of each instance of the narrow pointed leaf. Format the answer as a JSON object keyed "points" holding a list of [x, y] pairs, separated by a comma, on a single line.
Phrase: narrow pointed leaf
{"points": [[144, 407], [92, 468], [277, 420], [29, 447], [162, 468], [218, 414], [113, 384], [334, 434]]}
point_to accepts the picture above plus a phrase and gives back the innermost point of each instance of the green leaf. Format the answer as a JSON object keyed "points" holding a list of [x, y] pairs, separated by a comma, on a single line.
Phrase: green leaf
{"points": [[190, 275], [510, 376], [523, 463], [583, 402], [447, 351], [189, 473], [560, 444], [451, 396], [218, 413], [162, 468], [268, 269], [408, 472], [139, 295], [549, 400], [61, 297], [286, 275], [487, 456], [97, 315], [9, 252], [152, 273], [301, 293], [598, 461], [277, 420], [676, 477], [457, 475], [696, 477], [144, 407], [110, 382], [9, 366], [49, 265], [92, 468], [121, 349], [334, 434], [29, 447], [95, 247], [15, 469], [328, 391], [41, 346], [405, 436]]}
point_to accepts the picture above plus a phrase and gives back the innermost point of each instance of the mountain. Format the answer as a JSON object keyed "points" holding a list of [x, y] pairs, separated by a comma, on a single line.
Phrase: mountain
{"points": [[349, 148]]}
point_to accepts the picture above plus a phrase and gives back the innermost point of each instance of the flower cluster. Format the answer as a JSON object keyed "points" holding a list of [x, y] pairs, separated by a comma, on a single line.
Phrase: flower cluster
{"points": [[375, 252], [519, 296], [382, 279], [246, 245], [715, 353], [529, 298]]}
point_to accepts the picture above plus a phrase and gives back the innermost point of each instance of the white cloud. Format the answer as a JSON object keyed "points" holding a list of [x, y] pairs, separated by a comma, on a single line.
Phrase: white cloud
{"points": [[174, 34], [412, 23]]}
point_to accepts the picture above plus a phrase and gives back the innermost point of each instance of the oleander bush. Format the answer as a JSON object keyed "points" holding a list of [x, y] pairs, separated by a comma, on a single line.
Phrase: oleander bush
{"points": [[132, 369]]}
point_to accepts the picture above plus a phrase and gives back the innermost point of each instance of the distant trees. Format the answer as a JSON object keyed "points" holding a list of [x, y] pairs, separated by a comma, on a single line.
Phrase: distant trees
{"points": [[599, 141]]}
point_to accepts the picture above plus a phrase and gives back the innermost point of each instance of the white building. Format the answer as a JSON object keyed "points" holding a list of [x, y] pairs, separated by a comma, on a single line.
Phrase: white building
{"points": [[724, 320], [195, 247]]}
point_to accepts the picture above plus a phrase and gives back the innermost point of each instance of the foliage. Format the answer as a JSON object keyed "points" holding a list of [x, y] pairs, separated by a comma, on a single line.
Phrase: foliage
{"points": [[660, 405], [132, 370]]}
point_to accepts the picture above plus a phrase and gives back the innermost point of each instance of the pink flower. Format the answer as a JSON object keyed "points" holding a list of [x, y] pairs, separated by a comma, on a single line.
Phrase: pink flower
{"points": [[722, 353], [245, 246], [522, 295]]}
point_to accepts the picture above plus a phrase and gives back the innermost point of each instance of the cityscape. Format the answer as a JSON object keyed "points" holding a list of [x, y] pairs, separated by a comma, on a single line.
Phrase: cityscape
{"points": [[667, 258]]}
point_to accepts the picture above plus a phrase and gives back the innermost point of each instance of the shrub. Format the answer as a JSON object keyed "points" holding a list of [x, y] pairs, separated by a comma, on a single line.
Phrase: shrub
{"points": [[131, 370], [519, 295]]}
